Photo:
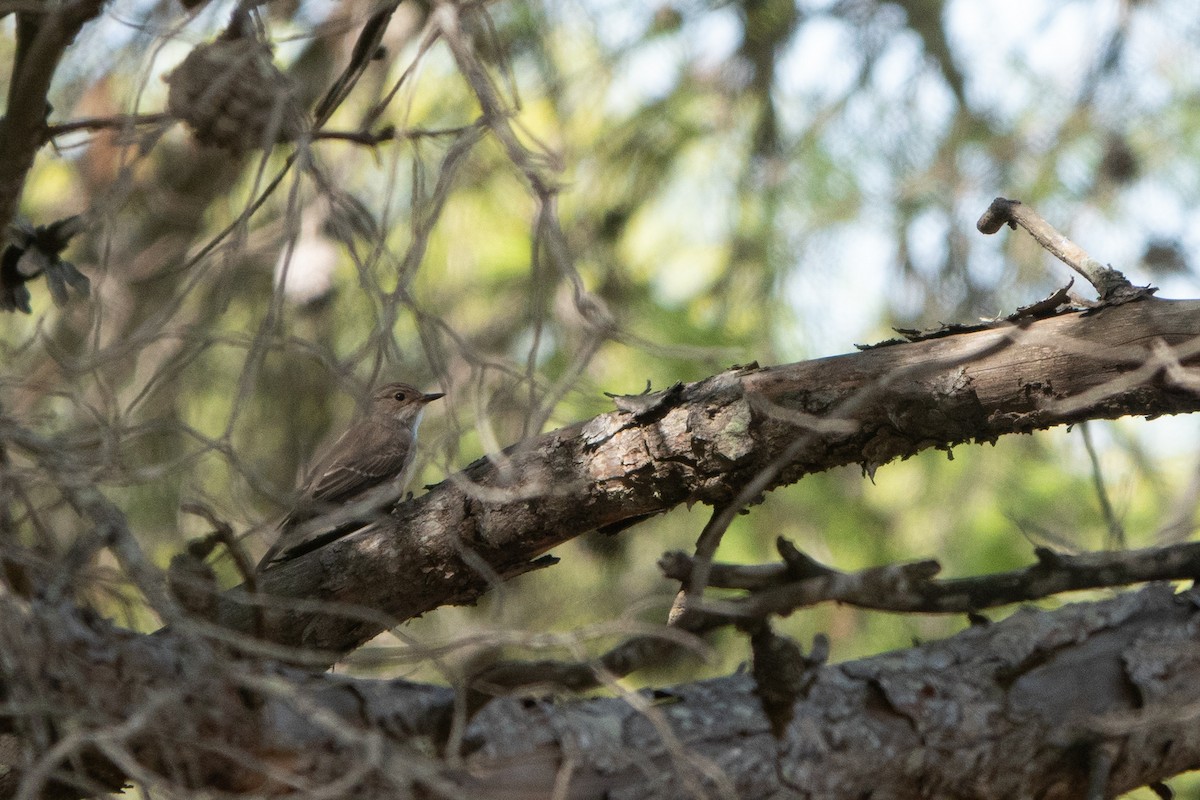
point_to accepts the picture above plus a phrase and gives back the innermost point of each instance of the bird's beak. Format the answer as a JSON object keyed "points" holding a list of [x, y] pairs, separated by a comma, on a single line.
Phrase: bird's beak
{"points": [[429, 398]]}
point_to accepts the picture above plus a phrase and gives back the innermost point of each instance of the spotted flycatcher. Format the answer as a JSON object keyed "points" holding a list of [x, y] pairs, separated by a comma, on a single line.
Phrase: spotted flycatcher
{"points": [[369, 465]]}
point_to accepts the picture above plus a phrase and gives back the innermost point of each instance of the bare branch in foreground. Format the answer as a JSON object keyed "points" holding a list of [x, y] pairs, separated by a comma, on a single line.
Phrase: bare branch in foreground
{"points": [[1019, 708]]}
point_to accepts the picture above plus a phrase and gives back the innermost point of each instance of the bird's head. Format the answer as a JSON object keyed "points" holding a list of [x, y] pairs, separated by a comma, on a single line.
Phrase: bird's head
{"points": [[402, 401]]}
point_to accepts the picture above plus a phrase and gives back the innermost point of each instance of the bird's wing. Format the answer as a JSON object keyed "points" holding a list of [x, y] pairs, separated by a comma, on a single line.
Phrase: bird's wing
{"points": [[343, 480], [366, 456]]}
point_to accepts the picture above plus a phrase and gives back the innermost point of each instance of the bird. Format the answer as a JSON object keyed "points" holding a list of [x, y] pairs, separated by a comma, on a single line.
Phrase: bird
{"points": [[371, 461]]}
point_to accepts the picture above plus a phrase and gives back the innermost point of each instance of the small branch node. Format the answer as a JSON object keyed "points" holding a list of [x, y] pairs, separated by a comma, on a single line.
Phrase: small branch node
{"points": [[1048, 558], [799, 565]]}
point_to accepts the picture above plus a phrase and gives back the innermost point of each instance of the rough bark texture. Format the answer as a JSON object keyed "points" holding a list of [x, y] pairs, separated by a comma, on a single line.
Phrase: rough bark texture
{"points": [[1023, 708], [704, 441], [1044, 704]]}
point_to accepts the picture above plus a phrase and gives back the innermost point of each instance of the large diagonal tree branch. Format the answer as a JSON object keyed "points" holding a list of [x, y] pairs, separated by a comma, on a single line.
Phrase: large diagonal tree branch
{"points": [[705, 441]]}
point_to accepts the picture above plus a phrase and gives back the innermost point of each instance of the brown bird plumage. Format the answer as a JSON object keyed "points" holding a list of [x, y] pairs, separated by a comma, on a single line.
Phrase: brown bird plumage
{"points": [[376, 453]]}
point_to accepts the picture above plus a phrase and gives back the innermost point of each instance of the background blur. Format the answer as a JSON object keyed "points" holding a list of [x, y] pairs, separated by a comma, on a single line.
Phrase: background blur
{"points": [[721, 183]]}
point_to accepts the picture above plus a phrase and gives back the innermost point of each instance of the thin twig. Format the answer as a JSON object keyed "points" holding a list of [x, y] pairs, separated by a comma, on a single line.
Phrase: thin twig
{"points": [[369, 40], [1110, 284], [388, 133], [663, 645], [706, 547], [1116, 531], [118, 122]]}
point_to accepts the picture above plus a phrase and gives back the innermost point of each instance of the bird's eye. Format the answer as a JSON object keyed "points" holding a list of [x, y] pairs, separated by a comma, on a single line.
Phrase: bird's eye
{"points": [[400, 396]]}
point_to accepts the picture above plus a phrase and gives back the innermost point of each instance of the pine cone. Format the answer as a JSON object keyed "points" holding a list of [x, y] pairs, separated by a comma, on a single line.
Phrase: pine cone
{"points": [[231, 94]]}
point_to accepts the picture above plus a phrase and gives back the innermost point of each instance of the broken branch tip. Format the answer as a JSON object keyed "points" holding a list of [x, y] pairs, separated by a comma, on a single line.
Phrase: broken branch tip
{"points": [[998, 214]]}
